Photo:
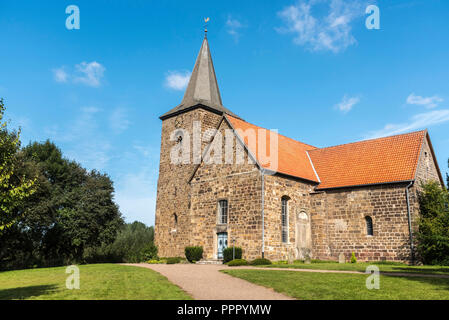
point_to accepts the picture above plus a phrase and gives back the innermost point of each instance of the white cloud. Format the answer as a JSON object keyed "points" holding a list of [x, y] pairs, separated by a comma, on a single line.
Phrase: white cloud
{"points": [[419, 121], [428, 102], [118, 120], [91, 73], [60, 75], [83, 140], [329, 32], [233, 27], [177, 80], [347, 103]]}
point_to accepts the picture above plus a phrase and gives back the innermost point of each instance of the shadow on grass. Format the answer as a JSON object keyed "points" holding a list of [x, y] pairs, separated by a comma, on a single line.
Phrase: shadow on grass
{"points": [[437, 283], [443, 270], [26, 292]]}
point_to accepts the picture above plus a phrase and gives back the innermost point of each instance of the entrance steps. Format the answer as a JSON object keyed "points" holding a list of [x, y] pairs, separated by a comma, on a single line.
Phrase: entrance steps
{"points": [[210, 262]]}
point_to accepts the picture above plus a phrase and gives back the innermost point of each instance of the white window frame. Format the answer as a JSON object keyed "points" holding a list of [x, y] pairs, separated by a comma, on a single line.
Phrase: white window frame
{"points": [[220, 211], [284, 228]]}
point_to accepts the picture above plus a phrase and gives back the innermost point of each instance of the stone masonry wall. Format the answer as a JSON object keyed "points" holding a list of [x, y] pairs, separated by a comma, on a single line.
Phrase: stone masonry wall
{"points": [[240, 185], [339, 226], [298, 192], [173, 191]]}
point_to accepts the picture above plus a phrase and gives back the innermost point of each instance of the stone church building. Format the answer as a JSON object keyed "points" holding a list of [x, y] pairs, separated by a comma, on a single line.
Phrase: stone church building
{"points": [[314, 203]]}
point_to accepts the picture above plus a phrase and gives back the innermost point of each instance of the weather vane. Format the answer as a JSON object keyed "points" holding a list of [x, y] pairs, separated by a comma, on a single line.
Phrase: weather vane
{"points": [[206, 20]]}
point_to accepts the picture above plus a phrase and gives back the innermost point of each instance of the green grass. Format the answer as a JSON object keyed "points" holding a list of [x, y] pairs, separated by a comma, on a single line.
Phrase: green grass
{"points": [[97, 282], [334, 286], [383, 266]]}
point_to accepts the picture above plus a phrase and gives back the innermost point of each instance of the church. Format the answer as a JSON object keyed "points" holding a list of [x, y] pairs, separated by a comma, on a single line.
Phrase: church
{"points": [[279, 198]]}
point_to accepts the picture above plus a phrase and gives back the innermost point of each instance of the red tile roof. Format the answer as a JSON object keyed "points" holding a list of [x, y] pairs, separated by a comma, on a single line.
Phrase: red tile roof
{"points": [[292, 156], [382, 160], [376, 161]]}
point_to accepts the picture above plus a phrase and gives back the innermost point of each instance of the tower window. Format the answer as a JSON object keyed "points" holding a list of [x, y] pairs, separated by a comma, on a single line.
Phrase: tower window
{"points": [[175, 220], [284, 219], [369, 226], [223, 211]]}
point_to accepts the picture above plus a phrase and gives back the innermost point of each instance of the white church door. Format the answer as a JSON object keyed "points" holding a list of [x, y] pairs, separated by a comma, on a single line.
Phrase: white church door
{"points": [[222, 241], [303, 236]]}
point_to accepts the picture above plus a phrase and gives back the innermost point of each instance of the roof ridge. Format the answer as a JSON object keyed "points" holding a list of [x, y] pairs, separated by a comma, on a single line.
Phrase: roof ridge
{"points": [[372, 139]]}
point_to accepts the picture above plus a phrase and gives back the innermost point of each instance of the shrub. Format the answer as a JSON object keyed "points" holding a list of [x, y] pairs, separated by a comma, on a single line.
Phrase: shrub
{"points": [[150, 252], [237, 262], [228, 254], [194, 253], [173, 260], [353, 258], [155, 261], [260, 262], [433, 225]]}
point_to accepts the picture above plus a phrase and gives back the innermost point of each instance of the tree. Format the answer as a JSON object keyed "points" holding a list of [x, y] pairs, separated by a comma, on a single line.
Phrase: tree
{"points": [[13, 188], [134, 243], [433, 224], [72, 209]]}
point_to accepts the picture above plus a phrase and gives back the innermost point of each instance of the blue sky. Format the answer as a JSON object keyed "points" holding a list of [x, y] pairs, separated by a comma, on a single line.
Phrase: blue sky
{"points": [[310, 69]]}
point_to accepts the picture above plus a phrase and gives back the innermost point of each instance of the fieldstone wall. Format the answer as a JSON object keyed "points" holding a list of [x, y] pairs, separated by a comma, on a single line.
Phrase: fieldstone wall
{"points": [[240, 185], [339, 225], [426, 169], [298, 193], [173, 190]]}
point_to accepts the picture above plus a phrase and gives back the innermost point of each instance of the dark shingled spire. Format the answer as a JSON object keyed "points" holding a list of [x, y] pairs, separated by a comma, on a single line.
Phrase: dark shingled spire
{"points": [[202, 90]]}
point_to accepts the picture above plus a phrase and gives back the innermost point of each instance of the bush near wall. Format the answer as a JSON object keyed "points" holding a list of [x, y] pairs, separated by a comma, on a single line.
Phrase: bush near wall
{"points": [[194, 254], [228, 254], [173, 260], [260, 262], [237, 262]]}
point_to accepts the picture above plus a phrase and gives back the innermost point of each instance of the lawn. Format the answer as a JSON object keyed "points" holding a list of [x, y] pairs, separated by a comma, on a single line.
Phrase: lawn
{"points": [[97, 282], [334, 286], [383, 266]]}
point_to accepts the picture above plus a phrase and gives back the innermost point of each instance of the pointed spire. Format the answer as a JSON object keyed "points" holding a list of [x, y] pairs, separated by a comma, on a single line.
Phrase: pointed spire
{"points": [[202, 90], [203, 86]]}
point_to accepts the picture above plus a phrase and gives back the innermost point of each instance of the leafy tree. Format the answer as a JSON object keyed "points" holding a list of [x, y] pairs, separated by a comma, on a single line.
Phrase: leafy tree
{"points": [[433, 233], [134, 243], [71, 210], [13, 188]]}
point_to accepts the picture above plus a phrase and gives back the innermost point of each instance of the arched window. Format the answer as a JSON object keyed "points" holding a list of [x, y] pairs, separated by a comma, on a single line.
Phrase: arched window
{"points": [[175, 221], [284, 219], [369, 226], [223, 211]]}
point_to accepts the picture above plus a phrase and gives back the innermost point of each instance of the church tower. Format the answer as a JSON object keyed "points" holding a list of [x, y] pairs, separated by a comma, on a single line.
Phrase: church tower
{"points": [[201, 108]]}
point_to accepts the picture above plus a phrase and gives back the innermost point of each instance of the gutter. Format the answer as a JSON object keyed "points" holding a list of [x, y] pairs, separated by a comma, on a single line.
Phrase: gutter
{"points": [[262, 174], [412, 249]]}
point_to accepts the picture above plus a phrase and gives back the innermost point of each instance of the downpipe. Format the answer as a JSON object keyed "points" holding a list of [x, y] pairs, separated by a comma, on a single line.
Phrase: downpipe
{"points": [[412, 248], [263, 218]]}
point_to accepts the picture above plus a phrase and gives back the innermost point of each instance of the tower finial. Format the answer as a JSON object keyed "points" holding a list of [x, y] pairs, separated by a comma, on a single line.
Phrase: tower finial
{"points": [[206, 20]]}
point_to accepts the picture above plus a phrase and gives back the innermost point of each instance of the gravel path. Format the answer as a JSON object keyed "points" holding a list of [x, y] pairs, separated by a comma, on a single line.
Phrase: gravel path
{"points": [[206, 282]]}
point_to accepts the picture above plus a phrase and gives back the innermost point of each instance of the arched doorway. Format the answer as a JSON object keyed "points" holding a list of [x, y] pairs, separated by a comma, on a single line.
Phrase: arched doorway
{"points": [[303, 236]]}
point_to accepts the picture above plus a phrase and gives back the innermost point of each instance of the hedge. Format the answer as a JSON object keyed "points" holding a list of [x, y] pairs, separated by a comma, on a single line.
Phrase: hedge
{"points": [[194, 254], [260, 262], [228, 254], [237, 262]]}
